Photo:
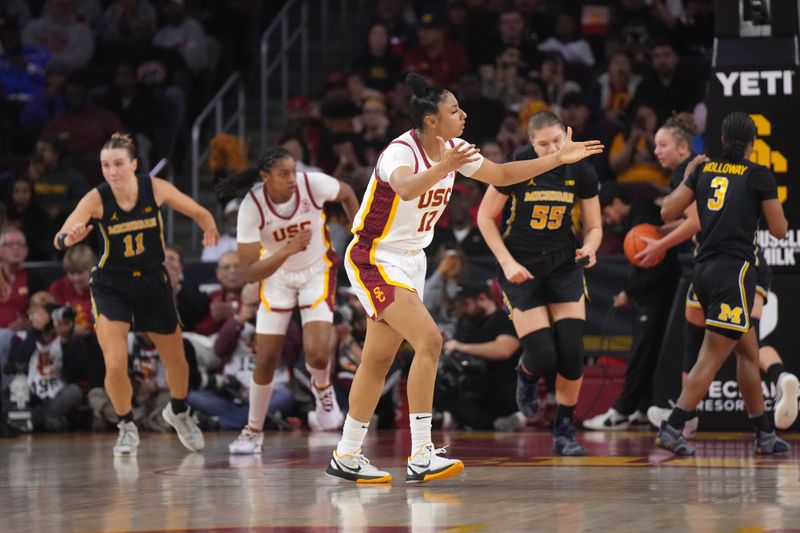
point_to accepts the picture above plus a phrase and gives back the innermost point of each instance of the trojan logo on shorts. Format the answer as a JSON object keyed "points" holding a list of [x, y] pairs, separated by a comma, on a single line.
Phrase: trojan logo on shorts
{"points": [[289, 231], [379, 294], [728, 314], [434, 198]]}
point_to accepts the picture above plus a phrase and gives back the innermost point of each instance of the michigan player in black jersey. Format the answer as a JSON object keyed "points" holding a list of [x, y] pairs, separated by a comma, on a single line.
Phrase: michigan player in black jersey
{"points": [[541, 272], [732, 193], [130, 288]]}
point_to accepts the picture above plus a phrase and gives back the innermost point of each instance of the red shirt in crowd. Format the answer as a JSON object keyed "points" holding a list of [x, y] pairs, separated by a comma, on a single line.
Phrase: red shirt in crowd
{"points": [[207, 325], [446, 68], [65, 294], [14, 305]]}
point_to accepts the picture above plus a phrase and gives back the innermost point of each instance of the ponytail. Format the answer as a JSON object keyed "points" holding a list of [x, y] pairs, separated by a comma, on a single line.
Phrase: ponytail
{"points": [[238, 183]]}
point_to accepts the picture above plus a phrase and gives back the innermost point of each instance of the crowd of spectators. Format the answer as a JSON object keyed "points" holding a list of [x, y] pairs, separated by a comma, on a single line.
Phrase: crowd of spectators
{"points": [[613, 71]]}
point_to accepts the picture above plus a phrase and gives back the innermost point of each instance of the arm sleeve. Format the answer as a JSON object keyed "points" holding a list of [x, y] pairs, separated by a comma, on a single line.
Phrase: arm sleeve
{"points": [[470, 168], [586, 181], [324, 188], [762, 184], [248, 221], [395, 156]]}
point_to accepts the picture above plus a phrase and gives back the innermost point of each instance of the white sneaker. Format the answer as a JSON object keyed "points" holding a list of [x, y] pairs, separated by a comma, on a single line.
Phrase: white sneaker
{"points": [[611, 420], [785, 409], [355, 467], [656, 415], [638, 420], [327, 415], [188, 432], [128, 440], [247, 443], [426, 465]]}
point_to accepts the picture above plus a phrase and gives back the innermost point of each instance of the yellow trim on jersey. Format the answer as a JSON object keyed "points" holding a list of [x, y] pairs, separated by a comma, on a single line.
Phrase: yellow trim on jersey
{"points": [[511, 217], [263, 297], [106, 246], [370, 197], [95, 313], [585, 288], [374, 248], [690, 303], [762, 291], [161, 231], [328, 262], [509, 307], [745, 312]]}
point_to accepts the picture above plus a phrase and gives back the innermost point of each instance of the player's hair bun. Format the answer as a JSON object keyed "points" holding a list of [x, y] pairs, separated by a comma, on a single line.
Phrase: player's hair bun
{"points": [[416, 83]]}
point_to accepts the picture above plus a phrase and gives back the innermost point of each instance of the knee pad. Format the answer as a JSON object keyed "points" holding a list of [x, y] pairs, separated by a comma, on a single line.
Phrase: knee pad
{"points": [[693, 340], [539, 355], [569, 343], [755, 323]]}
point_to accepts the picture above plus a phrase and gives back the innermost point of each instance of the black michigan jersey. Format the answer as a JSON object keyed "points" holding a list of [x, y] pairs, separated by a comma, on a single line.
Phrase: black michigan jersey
{"points": [[729, 196], [538, 217], [130, 241]]}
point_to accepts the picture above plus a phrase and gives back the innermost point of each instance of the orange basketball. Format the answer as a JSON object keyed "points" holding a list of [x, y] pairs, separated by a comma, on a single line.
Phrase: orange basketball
{"points": [[634, 244]]}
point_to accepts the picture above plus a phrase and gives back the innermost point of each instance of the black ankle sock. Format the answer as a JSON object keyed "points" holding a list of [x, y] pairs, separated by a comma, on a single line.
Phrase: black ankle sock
{"points": [[679, 416], [127, 417], [761, 423], [178, 406], [774, 372], [564, 412]]}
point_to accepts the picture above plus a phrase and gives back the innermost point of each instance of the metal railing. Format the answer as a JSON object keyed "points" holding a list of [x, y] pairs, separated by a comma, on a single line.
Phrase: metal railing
{"points": [[221, 125]]}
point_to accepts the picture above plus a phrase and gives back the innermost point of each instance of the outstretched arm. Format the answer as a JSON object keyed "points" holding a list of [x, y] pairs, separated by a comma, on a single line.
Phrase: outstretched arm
{"points": [[167, 193], [516, 171]]}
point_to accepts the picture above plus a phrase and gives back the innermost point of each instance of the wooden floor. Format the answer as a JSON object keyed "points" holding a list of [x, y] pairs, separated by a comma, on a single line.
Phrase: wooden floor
{"points": [[511, 483]]}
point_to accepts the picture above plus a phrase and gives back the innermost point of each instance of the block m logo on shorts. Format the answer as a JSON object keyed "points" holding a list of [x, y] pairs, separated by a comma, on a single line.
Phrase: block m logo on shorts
{"points": [[727, 314]]}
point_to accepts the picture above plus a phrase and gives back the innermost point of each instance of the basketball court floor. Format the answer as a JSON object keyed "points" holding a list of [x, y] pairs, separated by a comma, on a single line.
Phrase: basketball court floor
{"points": [[511, 483]]}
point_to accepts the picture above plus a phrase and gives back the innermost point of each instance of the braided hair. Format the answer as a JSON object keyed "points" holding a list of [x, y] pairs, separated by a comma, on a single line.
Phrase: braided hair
{"points": [[738, 130], [425, 100], [232, 185]]}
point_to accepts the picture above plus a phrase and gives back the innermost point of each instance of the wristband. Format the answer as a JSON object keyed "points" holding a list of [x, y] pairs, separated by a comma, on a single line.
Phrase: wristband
{"points": [[61, 241]]}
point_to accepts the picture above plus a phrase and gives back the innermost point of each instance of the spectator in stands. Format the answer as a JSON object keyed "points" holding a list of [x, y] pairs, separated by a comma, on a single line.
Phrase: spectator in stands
{"points": [[226, 395], [54, 362], [462, 233], [59, 30], [511, 136], [60, 186], [82, 127], [16, 283], [398, 100], [634, 27], [300, 151], [191, 303], [477, 370], [89, 12], [445, 61], [45, 104], [123, 18], [554, 78], [631, 155], [398, 19], [374, 122], [227, 238], [377, 63], [651, 292], [668, 89], [576, 114], [357, 90], [22, 67], [511, 31], [442, 286], [567, 42], [18, 10], [72, 289], [224, 302], [505, 82], [183, 33], [485, 114], [25, 214], [492, 151], [617, 85]]}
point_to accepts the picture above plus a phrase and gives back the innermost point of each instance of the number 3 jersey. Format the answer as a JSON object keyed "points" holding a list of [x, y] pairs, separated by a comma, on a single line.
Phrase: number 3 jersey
{"points": [[405, 225], [261, 220], [130, 240], [538, 217], [729, 196]]}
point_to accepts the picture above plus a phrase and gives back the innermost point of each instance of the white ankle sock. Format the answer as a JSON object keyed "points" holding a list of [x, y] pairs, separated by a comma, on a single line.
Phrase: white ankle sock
{"points": [[420, 430], [259, 404], [320, 377], [353, 434]]}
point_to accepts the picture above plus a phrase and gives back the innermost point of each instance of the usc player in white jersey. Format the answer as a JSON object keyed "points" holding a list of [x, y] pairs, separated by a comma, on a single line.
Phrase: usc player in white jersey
{"points": [[283, 242], [385, 264]]}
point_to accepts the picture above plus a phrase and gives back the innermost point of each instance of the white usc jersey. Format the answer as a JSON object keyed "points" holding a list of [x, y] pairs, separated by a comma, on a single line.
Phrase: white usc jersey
{"points": [[260, 220], [384, 220]]}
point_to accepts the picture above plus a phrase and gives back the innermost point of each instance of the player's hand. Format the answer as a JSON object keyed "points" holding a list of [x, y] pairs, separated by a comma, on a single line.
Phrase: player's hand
{"points": [[516, 273], [621, 299], [210, 236], [451, 346], [460, 154], [573, 151], [299, 242], [652, 253], [694, 163], [77, 233], [586, 252]]}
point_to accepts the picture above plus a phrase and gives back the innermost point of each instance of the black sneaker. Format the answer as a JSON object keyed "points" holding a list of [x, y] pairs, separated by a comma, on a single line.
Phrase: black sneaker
{"points": [[527, 393], [769, 443], [672, 439], [355, 467], [564, 442]]}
